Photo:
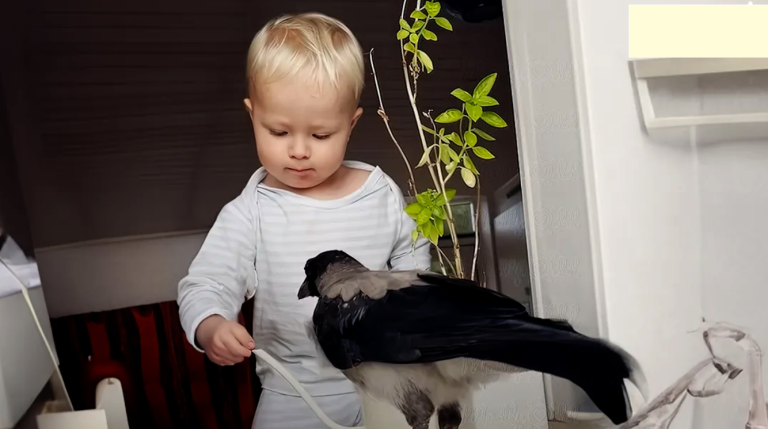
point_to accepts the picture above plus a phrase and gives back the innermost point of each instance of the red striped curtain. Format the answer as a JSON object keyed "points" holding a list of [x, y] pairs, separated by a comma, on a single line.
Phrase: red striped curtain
{"points": [[167, 384]]}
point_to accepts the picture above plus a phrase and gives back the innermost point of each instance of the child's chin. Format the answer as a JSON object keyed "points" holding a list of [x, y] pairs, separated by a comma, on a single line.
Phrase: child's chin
{"points": [[301, 184]]}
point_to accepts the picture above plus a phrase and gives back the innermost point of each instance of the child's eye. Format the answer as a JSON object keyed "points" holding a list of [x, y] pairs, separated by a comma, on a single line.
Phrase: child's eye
{"points": [[321, 137], [277, 133]]}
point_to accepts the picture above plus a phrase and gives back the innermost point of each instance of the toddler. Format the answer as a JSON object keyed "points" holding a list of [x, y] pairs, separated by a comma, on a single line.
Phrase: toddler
{"points": [[306, 73]]}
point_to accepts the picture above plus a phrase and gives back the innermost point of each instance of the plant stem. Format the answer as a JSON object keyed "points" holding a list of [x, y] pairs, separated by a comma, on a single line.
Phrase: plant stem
{"points": [[412, 99], [463, 148], [459, 270], [384, 116], [477, 231], [442, 265], [447, 260], [438, 183]]}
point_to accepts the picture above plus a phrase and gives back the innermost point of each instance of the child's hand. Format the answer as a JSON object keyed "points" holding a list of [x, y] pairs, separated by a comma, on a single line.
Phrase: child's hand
{"points": [[224, 341]]}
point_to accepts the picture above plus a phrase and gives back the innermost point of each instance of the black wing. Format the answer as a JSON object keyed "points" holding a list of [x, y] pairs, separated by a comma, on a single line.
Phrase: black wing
{"points": [[449, 318]]}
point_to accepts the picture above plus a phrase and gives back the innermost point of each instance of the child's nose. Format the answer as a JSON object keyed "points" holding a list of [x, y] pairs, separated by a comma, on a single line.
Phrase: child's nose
{"points": [[299, 149]]}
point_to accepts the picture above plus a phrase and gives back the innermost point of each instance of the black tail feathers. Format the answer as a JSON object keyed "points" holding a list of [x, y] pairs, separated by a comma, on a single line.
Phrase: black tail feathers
{"points": [[595, 365]]}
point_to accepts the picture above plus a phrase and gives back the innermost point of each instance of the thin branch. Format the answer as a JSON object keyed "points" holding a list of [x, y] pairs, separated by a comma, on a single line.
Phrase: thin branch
{"points": [[449, 214], [412, 99], [384, 116], [440, 259], [437, 183], [477, 230], [447, 260]]}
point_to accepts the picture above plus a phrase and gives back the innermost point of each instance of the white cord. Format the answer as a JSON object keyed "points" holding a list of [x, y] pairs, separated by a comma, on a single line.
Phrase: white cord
{"points": [[300, 390], [25, 292]]}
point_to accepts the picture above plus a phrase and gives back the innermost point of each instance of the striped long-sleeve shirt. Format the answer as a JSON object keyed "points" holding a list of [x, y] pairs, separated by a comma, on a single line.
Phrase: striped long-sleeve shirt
{"points": [[259, 245]]}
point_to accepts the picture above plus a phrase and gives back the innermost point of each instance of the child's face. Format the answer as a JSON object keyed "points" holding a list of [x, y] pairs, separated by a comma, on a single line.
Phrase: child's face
{"points": [[301, 130]]}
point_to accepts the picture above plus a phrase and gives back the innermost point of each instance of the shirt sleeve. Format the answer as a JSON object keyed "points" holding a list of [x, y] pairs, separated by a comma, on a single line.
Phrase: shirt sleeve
{"points": [[222, 274], [407, 254]]}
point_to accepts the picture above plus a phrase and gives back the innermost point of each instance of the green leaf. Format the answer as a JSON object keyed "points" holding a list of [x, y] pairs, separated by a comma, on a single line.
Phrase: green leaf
{"points": [[470, 138], [433, 234], [423, 199], [413, 209], [487, 101], [450, 193], [444, 23], [461, 95], [473, 111], [493, 119], [483, 134], [426, 229], [468, 177], [444, 156], [482, 152], [443, 138], [432, 7], [417, 25], [404, 25], [440, 200], [449, 116], [414, 235], [455, 138], [425, 158], [438, 212], [424, 58], [484, 86], [402, 34], [429, 35], [414, 38], [450, 168], [470, 165], [409, 47], [417, 14], [452, 153], [424, 216], [440, 227]]}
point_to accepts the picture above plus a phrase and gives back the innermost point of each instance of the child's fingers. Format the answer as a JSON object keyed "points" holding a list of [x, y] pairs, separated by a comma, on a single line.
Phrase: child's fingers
{"points": [[244, 338], [218, 359], [235, 348]]}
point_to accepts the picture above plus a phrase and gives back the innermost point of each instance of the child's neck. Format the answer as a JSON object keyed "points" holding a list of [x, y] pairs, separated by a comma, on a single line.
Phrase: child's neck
{"points": [[340, 184]]}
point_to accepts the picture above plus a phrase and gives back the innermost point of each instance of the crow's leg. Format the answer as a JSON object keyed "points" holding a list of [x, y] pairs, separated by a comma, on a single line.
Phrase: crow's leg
{"points": [[449, 416], [417, 408]]}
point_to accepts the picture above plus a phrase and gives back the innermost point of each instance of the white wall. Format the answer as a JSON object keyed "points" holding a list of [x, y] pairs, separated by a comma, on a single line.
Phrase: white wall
{"points": [[733, 179], [647, 203], [110, 274], [676, 233], [682, 229]]}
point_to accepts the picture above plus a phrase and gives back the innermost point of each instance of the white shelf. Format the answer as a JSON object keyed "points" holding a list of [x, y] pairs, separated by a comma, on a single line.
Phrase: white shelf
{"points": [[698, 128], [662, 67]]}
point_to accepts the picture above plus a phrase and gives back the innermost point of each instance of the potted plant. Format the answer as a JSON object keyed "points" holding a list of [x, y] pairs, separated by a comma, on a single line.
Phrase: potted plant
{"points": [[453, 142]]}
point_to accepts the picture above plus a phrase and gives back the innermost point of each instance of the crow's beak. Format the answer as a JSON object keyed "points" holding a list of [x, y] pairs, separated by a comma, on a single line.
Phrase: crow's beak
{"points": [[304, 289]]}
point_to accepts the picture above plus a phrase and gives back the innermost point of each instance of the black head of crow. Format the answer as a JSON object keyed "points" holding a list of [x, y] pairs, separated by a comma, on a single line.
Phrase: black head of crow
{"points": [[424, 341]]}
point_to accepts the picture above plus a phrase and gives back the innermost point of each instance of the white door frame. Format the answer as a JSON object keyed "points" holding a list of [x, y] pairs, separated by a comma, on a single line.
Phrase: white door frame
{"points": [[553, 142]]}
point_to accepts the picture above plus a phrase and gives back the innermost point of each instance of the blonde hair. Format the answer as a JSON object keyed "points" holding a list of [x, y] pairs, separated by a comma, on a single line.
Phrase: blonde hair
{"points": [[311, 44]]}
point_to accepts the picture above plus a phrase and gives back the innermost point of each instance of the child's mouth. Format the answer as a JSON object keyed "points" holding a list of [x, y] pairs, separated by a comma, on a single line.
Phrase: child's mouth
{"points": [[301, 172]]}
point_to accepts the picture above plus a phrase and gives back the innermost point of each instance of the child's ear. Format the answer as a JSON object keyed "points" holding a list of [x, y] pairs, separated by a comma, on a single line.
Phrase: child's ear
{"points": [[248, 106], [357, 115]]}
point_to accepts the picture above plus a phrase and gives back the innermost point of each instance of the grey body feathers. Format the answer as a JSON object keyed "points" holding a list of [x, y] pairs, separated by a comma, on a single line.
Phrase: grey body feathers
{"points": [[419, 390]]}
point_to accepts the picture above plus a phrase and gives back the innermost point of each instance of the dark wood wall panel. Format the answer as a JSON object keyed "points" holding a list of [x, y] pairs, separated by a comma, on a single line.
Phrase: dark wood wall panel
{"points": [[135, 121]]}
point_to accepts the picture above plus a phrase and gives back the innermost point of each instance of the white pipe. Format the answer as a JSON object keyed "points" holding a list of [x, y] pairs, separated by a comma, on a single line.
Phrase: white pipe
{"points": [[300, 390]]}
